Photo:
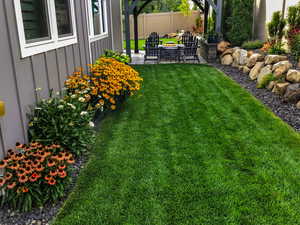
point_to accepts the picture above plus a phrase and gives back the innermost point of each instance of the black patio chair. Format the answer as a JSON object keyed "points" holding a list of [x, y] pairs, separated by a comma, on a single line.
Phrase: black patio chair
{"points": [[154, 37], [187, 38], [190, 50], [152, 51]]}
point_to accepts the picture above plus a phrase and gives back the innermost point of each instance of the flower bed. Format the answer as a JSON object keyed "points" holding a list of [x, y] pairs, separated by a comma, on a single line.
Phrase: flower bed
{"points": [[60, 131]]}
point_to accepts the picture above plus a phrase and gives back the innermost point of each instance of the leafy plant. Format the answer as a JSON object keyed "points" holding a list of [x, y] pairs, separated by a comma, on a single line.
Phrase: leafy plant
{"points": [[277, 49], [293, 32], [117, 56], [293, 18], [198, 28], [66, 122], [276, 27], [249, 45], [265, 81], [34, 174]]}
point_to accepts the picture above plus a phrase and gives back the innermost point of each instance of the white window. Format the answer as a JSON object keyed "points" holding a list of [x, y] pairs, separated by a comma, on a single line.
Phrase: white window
{"points": [[44, 25], [97, 11]]}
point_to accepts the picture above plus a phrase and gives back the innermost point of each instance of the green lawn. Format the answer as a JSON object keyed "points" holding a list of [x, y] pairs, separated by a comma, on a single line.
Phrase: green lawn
{"points": [[192, 148], [142, 42]]}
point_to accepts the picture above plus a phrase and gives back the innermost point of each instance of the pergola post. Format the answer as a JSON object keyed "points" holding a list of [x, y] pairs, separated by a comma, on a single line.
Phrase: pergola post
{"points": [[136, 30], [206, 11], [219, 16], [127, 28]]}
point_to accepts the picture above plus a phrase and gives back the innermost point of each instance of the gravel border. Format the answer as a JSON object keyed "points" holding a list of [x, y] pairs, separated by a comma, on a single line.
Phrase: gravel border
{"points": [[286, 111]]}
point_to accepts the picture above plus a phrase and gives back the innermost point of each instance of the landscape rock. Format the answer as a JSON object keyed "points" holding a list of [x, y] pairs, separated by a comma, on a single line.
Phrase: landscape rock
{"points": [[243, 57], [280, 88], [263, 73], [250, 53], [229, 51], [298, 105], [222, 46], [292, 93], [253, 59], [293, 76], [271, 85], [227, 60], [281, 68], [256, 70], [246, 69], [272, 59]]}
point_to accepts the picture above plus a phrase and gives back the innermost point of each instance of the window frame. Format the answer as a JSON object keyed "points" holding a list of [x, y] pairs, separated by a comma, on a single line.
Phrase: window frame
{"points": [[92, 36], [37, 47]]}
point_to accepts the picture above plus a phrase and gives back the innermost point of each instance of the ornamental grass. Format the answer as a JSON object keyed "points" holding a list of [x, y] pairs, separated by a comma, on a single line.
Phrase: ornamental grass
{"points": [[34, 174]]}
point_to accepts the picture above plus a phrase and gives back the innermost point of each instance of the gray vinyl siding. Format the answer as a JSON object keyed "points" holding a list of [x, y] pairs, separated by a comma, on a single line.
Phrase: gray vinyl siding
{"points": [[19, 77], [117, 25]]}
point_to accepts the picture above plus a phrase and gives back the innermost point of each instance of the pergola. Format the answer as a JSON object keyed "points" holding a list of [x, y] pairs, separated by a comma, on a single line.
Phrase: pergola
{"points": [[132, 7]]}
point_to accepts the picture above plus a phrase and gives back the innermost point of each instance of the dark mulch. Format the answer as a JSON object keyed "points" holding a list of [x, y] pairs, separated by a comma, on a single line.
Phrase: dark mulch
{"points": [[43, 215], [286, 111]]}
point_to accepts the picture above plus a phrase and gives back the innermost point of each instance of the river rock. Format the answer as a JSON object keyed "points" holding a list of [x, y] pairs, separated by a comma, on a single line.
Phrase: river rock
{"points": [[272, 59], [256, 70], [227, 60], [253, 59], [293, 76], [280, 88], [281, 68], [292, 93]]}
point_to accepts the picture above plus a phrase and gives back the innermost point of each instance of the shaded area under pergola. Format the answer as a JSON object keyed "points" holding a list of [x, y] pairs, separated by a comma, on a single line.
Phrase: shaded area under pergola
{"points": [[132, 7]]}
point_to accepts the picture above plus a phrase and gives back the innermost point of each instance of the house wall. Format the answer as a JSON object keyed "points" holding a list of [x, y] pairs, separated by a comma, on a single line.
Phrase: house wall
{"points": [[263, 15], [19, 77]]}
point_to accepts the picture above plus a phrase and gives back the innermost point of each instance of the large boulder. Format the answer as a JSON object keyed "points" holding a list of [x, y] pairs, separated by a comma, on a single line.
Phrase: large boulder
{"points": [[281, 68], [256, 70], [271, 85], [293, 76], [298, 105], [227, 60], [222, 46], [292, 93], [246, 69], [229, 51], [253, 59], [264, 72], [243, 57], [272, 59], [280, 88]]}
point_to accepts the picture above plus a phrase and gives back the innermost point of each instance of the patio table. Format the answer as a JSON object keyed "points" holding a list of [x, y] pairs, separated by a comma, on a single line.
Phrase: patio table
{"points": [[173, 52]]}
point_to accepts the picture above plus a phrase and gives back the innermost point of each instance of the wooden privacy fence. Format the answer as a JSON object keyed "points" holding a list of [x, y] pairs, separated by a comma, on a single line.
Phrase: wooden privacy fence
{"points": [[163, 23]]}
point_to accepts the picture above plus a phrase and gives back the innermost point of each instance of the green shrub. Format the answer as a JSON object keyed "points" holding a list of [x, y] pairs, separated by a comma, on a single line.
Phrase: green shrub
{"points": [[277, 49], [117, 56], [239, 21], [276, 27], [293, 18], [295, 50], [253, 44], [63, 121], [265, 81]]}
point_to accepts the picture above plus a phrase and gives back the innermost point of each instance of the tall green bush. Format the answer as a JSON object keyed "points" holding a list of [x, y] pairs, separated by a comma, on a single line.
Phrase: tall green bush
{"points": [[239, 22], [276, 27]]}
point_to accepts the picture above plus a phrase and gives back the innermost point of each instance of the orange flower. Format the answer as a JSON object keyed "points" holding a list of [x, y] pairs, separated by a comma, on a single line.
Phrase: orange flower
{"points": [[113, 107], [101, 101], [48, 177], [25, 190], [28, 170], [112, 101], [34, 177], [53, 173], [62, 167], [60, 157], [2, 182], [71, 160], [39, 168], [11, 185], [62, 174], [52, 182], [23, 179], [8, 176], [3, 164], [51, 163]]}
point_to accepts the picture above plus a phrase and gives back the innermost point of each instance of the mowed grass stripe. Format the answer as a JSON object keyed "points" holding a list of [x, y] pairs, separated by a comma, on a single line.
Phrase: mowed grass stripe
{"points": [[191, 147]]}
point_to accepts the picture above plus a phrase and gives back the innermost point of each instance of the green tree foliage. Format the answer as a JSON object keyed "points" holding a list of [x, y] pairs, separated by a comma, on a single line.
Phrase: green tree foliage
{"points": [[238, 20], [294, 16], [276, 27], [185, 7]]}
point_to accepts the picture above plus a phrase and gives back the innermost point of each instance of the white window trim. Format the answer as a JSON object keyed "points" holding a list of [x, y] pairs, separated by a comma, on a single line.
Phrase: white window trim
{"points": [[92, 37], [29, 49]]}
